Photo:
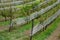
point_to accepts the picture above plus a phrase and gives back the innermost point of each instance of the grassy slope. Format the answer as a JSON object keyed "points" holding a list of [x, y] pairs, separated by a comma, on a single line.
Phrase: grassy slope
{"points": [[25, 10], [48, 31], [7, 22], [26, 7], [38, 36], [16, 34]]}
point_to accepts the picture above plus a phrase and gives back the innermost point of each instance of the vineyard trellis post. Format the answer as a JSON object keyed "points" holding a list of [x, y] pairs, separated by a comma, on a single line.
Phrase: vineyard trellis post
{"points": [[11, 16], [32, 29], [10, 21], [2, 12], [32, 25]]}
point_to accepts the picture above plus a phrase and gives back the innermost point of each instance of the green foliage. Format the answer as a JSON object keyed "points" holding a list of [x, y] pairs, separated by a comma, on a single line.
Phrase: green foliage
{"points": [[48, 31], [17, 32]]}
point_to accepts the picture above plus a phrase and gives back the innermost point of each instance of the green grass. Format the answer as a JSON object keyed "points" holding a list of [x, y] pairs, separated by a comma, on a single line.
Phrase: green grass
{"points": [[49, 13], [18, 32], [0, 16], [26, 8], [39, 36], [25, 5], [4, 23], [36, 1], [48, 31]]}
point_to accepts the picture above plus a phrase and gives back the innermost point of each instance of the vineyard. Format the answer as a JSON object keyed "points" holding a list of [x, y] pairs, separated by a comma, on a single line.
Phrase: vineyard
{"points": [[28, 19]]}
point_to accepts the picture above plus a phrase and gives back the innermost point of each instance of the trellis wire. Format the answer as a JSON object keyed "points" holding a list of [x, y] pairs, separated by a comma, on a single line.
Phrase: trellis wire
{"points": [[21, 21], [38, 27], [17, 2], [15, 6]]}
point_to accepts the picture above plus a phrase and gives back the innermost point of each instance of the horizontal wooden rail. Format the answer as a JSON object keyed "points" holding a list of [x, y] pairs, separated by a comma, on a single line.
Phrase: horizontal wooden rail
{"points": [[39, 26], [11, 3], [21, 21]]}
